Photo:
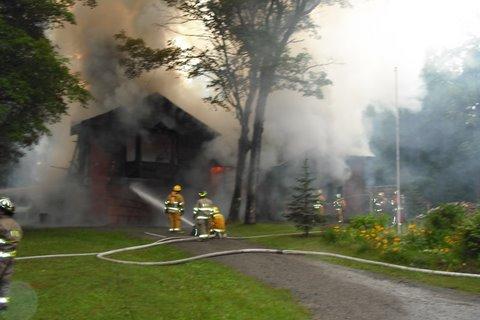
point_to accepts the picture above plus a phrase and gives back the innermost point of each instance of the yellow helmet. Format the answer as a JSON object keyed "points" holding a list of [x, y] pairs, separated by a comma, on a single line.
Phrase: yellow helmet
{"points": [[177, 188], [202, 194], [216, 210]]}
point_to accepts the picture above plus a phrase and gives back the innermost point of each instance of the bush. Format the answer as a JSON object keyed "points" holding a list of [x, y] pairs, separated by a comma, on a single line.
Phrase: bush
{"points": [[470, 241], [445, 217], [368, 221], [415, 238], [443, 221]]}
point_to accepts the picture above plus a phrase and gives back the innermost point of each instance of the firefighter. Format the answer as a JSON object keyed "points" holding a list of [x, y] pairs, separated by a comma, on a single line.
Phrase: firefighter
{"points": [[380, 203], [217, 226], [10, 236], [394, 202], [339, 204], [174, 208], [202, 213], [319, 204]]}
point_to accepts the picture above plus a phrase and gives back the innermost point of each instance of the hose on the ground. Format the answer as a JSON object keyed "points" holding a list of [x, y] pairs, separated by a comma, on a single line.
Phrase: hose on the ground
{"points": [[166, 240], [62, 255]]}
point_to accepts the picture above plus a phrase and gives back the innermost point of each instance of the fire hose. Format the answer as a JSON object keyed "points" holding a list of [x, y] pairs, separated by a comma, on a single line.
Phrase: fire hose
{"points": [[167, 240]]}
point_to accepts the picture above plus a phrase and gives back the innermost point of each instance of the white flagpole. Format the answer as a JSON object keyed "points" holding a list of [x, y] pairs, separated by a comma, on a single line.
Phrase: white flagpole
{"points": [[397, 127]]}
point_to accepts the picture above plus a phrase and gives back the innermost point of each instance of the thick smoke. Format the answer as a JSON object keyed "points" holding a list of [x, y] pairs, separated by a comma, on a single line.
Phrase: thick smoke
{"points": [[366, 42]]}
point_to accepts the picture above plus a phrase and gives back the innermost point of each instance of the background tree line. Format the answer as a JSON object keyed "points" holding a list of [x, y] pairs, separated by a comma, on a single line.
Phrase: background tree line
{"points": [[440, 144]]}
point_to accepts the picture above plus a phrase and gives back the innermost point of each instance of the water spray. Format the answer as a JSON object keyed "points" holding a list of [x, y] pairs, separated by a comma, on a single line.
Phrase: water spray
{"points": [[153, 200]]}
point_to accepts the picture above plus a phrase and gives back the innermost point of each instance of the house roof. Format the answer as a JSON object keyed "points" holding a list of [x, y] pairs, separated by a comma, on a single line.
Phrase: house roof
{"points": [[156, 112]]}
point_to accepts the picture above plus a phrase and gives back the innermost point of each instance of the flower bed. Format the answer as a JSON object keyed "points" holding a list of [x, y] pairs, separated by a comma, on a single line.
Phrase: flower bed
{"points": [[446, 239]]}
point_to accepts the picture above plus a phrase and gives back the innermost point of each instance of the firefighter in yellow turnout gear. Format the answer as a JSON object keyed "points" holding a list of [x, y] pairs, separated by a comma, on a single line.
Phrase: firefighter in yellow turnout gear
{"points": [[10, 236], [218, 223], [202, 213], [319, 204], [174, 208]]}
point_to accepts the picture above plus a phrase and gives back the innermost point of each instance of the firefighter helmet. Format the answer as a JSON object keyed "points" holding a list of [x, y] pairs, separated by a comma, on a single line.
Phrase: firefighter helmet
{"points": [[339, 195], [7, 205], [177, 188], [202, 194], [216, 210]]}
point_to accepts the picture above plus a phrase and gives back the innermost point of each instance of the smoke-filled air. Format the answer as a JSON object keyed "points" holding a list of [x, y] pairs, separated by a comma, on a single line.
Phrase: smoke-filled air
{"points": [[358, 46]]}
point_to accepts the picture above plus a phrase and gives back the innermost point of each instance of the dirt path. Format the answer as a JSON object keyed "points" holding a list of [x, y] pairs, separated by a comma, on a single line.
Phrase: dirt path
{"points": [[336, 292]]}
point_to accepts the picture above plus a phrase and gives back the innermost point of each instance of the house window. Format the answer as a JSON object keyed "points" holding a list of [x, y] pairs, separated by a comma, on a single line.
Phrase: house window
{"points": [[157, 148]]}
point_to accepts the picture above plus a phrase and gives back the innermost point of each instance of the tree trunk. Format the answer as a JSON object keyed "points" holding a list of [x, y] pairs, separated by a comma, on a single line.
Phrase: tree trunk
{"points": [[255, 150], [243, 146]]}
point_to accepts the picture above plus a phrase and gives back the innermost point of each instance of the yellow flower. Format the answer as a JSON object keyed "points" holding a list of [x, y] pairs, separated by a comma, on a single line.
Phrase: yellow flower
{"points": [[396, 239]]}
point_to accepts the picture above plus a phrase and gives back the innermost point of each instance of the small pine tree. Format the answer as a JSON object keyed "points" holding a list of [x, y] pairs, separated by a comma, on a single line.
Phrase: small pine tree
{"points": [[301, 209]]}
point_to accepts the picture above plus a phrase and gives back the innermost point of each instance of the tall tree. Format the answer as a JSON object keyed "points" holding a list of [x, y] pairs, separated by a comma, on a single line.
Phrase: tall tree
{"points": [[280, 69], [35, 81], [233, 54]]}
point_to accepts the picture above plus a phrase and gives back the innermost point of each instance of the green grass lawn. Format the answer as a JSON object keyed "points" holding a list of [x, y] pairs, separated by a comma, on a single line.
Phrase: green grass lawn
{"points": [[315, 243], [89, 288]]}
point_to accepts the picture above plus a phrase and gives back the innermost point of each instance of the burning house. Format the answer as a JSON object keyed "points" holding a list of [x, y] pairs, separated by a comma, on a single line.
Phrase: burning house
{"points": [[156, 145]]}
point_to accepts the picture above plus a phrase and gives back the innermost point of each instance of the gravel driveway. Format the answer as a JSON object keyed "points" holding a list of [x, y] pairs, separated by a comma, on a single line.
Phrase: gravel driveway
{"points": [[336, 292]]}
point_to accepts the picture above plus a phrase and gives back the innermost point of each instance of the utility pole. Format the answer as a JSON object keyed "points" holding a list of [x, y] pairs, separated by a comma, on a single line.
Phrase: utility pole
{"points": [[397, 128]]}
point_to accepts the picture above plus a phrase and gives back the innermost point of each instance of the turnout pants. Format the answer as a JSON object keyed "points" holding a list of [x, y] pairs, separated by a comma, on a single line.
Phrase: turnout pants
{"points": [[340, 215], [218, 225], [175, 221], [203, 227], [6, 271]]}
